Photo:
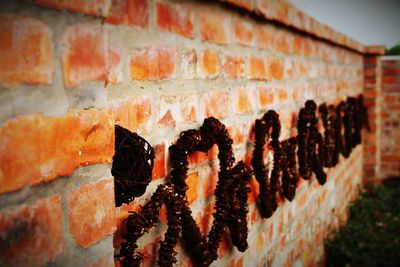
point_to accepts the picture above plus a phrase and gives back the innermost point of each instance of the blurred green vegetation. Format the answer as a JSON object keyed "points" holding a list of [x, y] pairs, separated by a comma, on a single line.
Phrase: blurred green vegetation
{"points": [[395, 50], [371, 236]]}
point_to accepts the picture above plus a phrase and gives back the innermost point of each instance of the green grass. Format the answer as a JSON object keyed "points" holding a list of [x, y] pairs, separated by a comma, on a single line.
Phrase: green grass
{"points": [[371, 236]]}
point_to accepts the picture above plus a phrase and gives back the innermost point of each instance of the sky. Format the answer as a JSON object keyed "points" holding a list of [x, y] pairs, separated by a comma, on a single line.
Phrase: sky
{"points": [[371, 22]]}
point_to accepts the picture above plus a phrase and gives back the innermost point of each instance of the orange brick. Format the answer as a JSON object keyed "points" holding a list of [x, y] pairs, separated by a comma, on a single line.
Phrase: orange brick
{"points": [[153, 63], [213, 27], [192, 181], [175, 18], [134, 115], [159, 161], [237, 135], [265, 97], [255, 190], [26, 51], [85, 54], [198, 158], [32, 235], [225, 246], [283, 41], [96, 7], [209, 181], [212, 104], [37, 148], [275, 69], [282, 95], [208, 64], [206, 218], [115, 72], [257, 69], [243, 31], [265, 37], [233, 67], [298, 45], [243, 102], [92, 212]]}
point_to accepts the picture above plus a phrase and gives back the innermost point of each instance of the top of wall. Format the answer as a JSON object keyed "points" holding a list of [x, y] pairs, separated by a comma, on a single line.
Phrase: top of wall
{"points": [[281, 11], [286, 13]]}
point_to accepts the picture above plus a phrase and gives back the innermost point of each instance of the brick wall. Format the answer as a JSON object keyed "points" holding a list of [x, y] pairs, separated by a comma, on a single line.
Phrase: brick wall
{"points": [[70, 70], [390, 147]]}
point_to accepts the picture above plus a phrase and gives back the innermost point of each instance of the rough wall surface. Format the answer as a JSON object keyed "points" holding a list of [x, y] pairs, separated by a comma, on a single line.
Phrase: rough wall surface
{"points": [[390, 148], [70, 70]]}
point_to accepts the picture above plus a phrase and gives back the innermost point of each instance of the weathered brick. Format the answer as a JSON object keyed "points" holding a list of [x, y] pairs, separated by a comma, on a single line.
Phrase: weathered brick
{"points": [[265, 97], [257, 69], [237, 134], [131, 12], [208, 64], [92, 7], [275, 69], [209, 180], [243, 31], [31, 235], [159, 161], [265, 37], [243, 103], [175, 18], [298, 45], [85, 54], [37, 148], [213, 27], [26, 51], [212, 104], [153, 63], [92, 212], [189, 63], [134, 115], [115, 72], [233, 66], [192, 181]]}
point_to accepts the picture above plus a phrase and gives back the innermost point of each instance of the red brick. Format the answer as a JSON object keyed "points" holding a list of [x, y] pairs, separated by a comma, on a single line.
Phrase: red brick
{"points": [[213, 27], [243, 31], [257, 69], [208, 64], [37, 148], [32, 235], [131, 12], [175, 18], [138, 13], [153, 63], [198, 158], [159, 161], [233, 66], [265, 97], [85, 54], [275, 69], [192, 181], [92, 212], [212, 104], [95, 7], [243, 101], [134, 115], [26, 51]]}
